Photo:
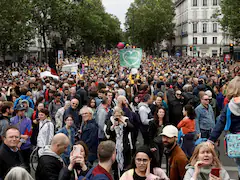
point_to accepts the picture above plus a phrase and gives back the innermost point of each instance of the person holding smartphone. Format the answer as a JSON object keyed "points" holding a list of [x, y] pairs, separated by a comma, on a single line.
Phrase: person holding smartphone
{"points": [[205, 165], [78, 163]]}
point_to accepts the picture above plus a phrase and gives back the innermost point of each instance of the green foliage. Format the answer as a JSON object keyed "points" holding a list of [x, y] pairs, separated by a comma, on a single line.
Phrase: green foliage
{"points": [[149, 22], [16, 28], [230, 20], [58, 23]]}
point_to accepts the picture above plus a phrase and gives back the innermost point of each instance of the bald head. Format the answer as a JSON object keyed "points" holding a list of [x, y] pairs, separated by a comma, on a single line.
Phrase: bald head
{"points": [[60, 139], [59, 143], [74, 103], [122, 100]]}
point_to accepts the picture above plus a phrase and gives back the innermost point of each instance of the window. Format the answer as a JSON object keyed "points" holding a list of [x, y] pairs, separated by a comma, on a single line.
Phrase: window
{"points": [[204, 28], [204, 40], [204, 2], [215, 25], [214, 40], [215, 2], [194, 27], [195, 40], [194, 2]]}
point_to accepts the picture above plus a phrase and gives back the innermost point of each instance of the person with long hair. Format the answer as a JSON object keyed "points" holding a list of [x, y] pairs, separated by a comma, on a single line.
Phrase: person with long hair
{"points": [[79, 166], [202, 161], [92, 104], [144, 166], [154, 131], [118, 128], [187, 130]]}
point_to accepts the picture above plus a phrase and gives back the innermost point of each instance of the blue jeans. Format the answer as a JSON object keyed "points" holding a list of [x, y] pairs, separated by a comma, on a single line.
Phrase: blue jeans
{"points": [[237, 161]]}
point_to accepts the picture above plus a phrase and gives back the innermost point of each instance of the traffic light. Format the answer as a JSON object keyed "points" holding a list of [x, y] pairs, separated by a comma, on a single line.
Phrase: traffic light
{"points": [[190, 48], [231, 48]]}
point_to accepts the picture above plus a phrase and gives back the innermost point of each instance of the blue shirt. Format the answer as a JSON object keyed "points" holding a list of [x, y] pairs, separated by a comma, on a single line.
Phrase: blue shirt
{"points": [[204, 118]]}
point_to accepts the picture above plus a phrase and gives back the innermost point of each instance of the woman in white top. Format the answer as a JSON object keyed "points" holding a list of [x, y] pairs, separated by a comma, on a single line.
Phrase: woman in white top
{"points": [[46, 129]]}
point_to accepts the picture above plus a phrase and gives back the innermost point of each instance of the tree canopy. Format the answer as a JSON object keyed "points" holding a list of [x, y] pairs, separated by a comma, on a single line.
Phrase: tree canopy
{"points": [[149, 22], [59, 23], [230, 18]]}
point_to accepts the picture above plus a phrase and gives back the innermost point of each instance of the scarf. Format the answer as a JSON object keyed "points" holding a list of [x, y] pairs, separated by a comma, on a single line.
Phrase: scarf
{"points": [[119, 146]]}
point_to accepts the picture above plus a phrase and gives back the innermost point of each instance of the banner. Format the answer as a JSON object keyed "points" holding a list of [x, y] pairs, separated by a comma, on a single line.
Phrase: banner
{"points": [[130, 57], [60, 56]]}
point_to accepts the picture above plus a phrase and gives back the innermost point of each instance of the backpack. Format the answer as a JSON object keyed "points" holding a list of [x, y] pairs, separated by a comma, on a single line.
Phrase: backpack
{"points": [[231, 141], [19, 101]]}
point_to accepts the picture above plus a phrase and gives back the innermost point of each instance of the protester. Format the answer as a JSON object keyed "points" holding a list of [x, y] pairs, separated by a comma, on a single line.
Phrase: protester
{"points": [[35, 124], [24, 124], [24, 97], [28, 111], [79, 165], [69, 131], [10, 155], [82, 94], [50, 163], [187, 130], [205, 119], [118, 128], [203, 160], [145, 116], [54, 106], [144, 166], [106, 155], [175, 108], [73, 111], [7, 110], [176, 158], [101, 117], [59, 115], [233, 93], [154, 132], [46, 129], [89, 132]]}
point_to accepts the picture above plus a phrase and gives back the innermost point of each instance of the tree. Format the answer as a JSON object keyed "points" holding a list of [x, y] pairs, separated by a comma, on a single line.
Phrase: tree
{"points": [[16, 28], [229, 18], [149, 22]]}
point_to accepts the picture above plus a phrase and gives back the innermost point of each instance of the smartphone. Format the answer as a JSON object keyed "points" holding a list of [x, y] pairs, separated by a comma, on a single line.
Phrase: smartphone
{"points": [[215, 172], [76, 150]]}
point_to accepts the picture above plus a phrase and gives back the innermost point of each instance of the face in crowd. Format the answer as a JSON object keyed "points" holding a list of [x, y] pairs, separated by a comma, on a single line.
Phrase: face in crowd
{"points": [[205, 100], [12, 138], [74, 103]]}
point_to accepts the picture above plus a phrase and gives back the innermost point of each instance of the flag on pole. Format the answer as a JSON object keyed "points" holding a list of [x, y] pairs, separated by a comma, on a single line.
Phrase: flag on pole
{"points": [[130, 57]]}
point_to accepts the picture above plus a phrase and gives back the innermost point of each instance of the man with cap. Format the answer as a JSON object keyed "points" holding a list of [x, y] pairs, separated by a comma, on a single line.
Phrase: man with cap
{"points": [[24, 124], [176, 159]]}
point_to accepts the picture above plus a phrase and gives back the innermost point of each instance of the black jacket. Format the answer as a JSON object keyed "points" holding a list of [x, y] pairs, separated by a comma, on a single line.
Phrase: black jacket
{"points": [[175, 111], [8, 159], [153, 132], [48, 168]]}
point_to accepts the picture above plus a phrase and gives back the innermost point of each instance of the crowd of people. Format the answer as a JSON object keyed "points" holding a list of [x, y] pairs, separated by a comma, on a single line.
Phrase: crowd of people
{"points": [[111, 122]]}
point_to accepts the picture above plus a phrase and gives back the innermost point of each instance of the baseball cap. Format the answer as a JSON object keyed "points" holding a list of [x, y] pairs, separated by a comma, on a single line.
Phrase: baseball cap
{"points": [[20, 107], [170, 131]]}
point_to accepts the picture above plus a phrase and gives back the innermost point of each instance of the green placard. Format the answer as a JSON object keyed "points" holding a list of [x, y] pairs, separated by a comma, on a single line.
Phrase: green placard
{"points": [[130, 57]]}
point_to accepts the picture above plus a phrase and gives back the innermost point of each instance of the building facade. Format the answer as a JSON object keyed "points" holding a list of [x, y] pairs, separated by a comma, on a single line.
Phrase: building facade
{"points": [[197, 30]]}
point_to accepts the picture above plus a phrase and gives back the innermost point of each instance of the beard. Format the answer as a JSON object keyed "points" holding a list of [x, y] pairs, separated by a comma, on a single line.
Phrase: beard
{"points": [[169, 145]]}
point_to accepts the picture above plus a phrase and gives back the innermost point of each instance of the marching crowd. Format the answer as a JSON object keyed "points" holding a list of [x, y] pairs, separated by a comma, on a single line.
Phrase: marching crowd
{"points": [[111, 122]]}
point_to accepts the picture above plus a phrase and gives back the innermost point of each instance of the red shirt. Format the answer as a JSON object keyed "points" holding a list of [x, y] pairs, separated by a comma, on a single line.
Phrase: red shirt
{"points": [[187, 125], [100, 170]]}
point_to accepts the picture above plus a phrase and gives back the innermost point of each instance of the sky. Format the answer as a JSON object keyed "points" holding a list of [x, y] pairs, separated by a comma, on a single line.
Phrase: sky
{"points": [[117, 8]]}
